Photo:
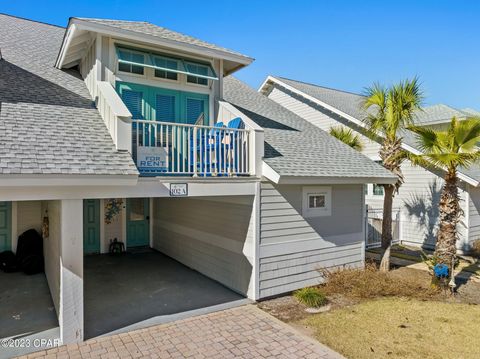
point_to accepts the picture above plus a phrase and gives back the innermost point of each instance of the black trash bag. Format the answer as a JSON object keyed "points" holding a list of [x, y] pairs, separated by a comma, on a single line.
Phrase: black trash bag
{"points": [[29, 242], [8, 262], [30, 252], [32, 264]]}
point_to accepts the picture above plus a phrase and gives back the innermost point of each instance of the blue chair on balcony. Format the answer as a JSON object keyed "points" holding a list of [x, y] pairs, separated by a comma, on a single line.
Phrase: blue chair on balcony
{"points": [[208, 149], [232, 144]]}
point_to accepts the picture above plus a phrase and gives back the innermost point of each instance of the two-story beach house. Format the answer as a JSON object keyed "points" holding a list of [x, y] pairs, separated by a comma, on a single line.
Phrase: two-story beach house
{"points": [[129, 131], [416, 205]]}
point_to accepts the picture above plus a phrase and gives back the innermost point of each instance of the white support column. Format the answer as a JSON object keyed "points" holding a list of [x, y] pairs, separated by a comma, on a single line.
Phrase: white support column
{"points": [[71, 271]]}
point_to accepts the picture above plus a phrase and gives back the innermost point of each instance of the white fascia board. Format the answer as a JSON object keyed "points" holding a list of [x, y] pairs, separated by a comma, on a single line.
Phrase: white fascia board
{"points": [[356, 121], [269, 173], [191, 48], [66, 180], [67, 39], [313, 99], [144, 187], [335, 180]]}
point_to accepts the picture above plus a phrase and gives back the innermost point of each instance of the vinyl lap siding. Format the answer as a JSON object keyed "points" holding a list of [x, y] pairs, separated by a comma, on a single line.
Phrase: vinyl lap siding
{"points": [[474, 214], [419, 195], [212, 236], [292, 249]]}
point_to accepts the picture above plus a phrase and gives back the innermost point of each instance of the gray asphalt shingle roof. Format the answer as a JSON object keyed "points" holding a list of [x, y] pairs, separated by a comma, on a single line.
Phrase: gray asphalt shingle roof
{"points": [[48, 124], [350, 104], [148, 28], [293, 146]]}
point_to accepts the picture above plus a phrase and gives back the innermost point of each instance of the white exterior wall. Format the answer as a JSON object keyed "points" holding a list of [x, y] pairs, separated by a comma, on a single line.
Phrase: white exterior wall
{"points": [[88, 69], [70, 315], [418, 196], [293, 248], [213, 235], [116, 229], [52, 250]]}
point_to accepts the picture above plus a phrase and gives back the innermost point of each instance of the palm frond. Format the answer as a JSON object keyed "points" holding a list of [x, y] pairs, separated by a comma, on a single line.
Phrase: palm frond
{"points": [[347, 136], [457, 146]]}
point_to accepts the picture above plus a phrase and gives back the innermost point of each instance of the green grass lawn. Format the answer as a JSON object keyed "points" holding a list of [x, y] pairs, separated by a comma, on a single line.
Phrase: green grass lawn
{"points": [[400, 328]]}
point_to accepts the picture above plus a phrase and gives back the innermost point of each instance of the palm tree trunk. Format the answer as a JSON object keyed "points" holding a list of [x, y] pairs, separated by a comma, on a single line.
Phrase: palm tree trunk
{"points": [[450, 211], [387, 227]]}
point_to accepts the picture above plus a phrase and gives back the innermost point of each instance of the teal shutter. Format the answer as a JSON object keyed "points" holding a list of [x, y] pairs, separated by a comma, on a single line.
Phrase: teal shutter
{"points": [[5, 226], [194, 108], [133, 100], [165, 108]]}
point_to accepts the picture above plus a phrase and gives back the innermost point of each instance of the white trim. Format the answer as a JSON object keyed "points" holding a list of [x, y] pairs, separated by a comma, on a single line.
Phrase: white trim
{"points": [[264, 87], [324, 191], [269, 173], [131, 35], [67, 40], [467, 214], [113, 99], [256, 247], [146, 187], [335, 180]]}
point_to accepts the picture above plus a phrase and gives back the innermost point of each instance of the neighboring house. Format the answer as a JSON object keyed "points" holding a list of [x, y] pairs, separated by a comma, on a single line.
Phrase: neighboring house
{"points": [[417, 200], [108, 132]]}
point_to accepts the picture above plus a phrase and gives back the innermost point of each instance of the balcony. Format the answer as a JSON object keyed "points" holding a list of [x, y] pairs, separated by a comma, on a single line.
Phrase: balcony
{"points": [[233, 147], [165, 148]]}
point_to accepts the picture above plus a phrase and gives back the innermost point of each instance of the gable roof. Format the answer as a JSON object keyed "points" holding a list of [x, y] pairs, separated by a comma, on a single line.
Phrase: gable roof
{"points": [[76, 40], [48, 122], [147, 28], [348, 105], [471, 112], [296, 148]]}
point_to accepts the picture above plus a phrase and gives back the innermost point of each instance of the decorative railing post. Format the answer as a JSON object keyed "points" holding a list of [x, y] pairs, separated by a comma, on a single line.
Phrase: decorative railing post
{"points": [[194, 150]]}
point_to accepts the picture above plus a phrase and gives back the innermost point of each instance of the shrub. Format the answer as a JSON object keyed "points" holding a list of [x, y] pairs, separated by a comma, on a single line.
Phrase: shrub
{"points": [[371, 283], [312, 297]]}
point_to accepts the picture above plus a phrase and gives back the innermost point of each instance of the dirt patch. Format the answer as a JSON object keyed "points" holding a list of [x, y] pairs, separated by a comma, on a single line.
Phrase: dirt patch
{"points": [[287, 308]]}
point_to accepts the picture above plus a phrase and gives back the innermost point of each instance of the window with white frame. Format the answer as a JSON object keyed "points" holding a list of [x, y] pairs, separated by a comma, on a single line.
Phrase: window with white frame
{"points": [[132, 61], [197, 69], [377, 190], [317, 201]]}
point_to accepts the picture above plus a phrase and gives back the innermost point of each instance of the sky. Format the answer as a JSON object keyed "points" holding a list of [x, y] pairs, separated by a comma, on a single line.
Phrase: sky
{"points": [[342, 44]]}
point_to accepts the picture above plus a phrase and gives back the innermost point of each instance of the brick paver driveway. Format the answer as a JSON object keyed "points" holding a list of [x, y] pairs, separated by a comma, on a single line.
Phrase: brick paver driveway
{"points": [[242, 332]]}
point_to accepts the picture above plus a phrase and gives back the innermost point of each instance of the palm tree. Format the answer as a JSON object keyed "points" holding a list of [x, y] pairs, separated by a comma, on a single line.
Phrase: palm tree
{"points": [[347, 136], [457, 146], [389, 111]]}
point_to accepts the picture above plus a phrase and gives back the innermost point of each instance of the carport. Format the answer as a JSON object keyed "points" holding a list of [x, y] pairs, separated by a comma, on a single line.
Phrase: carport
{"points": [[128, 289], [199, 255]]}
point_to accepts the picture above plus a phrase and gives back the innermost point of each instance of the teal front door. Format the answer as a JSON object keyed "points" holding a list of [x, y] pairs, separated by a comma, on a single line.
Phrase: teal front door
{"points": [[138, 217], [91, 226], [5, 226]]}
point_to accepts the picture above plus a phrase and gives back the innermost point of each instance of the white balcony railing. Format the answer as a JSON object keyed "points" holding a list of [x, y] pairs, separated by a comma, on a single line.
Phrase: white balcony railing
{"points": [[182, 149]]}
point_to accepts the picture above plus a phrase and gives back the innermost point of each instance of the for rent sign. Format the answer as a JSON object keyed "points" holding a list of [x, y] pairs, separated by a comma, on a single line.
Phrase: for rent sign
{"points": [[152, 159]]}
